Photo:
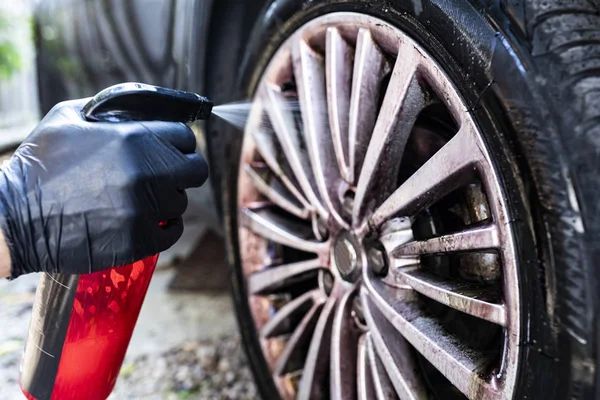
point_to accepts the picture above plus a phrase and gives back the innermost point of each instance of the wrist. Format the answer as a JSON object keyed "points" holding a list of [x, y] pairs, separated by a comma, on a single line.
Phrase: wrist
{"points": [[5, 262], [8, 266]]}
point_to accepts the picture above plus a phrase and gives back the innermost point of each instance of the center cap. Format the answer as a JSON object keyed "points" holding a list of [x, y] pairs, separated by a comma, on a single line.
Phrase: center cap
{"points": [[347, 256]]}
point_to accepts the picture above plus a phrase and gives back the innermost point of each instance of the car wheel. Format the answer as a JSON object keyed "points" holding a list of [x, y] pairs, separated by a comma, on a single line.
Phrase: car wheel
{"points": [[406, 217]]}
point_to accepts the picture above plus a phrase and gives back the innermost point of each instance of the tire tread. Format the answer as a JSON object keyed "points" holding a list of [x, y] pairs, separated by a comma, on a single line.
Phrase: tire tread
{"points": [[564, 40]]}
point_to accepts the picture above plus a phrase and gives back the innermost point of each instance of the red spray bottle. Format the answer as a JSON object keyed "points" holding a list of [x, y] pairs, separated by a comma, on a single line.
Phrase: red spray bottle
{"points": [[81, 325]]}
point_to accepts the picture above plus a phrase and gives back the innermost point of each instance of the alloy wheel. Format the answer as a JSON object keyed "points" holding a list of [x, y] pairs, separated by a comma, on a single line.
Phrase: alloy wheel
{"points": [[374, 231]]}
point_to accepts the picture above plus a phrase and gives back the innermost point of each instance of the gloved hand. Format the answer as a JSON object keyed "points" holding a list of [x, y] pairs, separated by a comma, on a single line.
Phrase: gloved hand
{"points": [[79, 196]]}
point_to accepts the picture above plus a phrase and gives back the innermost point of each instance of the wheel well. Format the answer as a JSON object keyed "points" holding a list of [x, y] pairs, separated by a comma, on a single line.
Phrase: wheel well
{"points": [[230, 25]]}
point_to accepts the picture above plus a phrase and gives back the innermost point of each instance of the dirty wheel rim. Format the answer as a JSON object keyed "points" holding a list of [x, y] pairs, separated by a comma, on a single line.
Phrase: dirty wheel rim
{"points": [[360, 281]]}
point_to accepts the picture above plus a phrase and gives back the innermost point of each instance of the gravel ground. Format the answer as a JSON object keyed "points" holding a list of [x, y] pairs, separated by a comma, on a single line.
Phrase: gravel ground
{"points": [[211, 369], [16, 300]]}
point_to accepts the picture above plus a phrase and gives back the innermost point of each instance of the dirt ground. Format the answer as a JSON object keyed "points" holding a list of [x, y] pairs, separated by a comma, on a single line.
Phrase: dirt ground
{"points": [[185, 345]]}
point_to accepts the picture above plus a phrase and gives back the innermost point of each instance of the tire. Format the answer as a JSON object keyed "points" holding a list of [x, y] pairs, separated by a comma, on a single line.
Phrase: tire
{"points": [[529, 72], [230, 22]]}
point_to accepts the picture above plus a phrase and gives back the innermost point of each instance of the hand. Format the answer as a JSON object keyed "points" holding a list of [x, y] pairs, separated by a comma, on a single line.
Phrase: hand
{"points": [[79, 196]]}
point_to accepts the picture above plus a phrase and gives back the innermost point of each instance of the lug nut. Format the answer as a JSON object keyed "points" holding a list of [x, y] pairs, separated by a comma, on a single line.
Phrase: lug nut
{"points": [[345, 256], [377, 261]]}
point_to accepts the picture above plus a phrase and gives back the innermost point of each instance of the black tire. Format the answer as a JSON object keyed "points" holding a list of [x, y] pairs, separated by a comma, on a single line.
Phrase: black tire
{"points": [[530, 71], [231, 22]]}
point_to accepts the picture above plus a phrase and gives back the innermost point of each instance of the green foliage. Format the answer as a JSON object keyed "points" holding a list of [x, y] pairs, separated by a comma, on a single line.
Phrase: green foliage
{"points": [[10, 58], [185, 394]]}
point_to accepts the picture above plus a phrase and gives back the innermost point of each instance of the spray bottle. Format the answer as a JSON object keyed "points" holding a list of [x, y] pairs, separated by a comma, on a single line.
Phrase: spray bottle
{"points": [[81, 325]]}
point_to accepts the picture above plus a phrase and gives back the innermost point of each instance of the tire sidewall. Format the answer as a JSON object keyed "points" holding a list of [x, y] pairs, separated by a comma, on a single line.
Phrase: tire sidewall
{"points": [[488, 72]]}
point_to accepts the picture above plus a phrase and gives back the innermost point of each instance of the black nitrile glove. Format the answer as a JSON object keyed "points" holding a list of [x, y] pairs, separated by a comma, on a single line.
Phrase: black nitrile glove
{"points": [[79, 196]]}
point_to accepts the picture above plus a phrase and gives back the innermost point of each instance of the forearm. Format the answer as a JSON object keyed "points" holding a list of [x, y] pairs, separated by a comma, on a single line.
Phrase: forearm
{"points": [[4, 257]]}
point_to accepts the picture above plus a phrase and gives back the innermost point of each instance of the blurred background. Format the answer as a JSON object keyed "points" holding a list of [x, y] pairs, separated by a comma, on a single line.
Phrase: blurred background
{"points": [[54, 50]]}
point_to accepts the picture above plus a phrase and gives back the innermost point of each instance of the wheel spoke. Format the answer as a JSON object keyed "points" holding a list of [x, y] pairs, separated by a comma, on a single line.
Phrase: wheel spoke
{"points": [[477, 300], [395, 355], [267, 149], [473, 239], [272, 227], [314, 374], [364, 378], [293, 355], [448, 169], [382, 386], [276, 277], [404, 100], [309, 70], [275, 196], [282, 119], [344, 339], [339, 60], [462, 366], [291, 313], [370, 68]]}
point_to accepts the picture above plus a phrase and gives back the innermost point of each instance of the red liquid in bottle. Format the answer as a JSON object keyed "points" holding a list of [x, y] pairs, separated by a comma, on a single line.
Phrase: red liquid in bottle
{"points": [[104, 312]]}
